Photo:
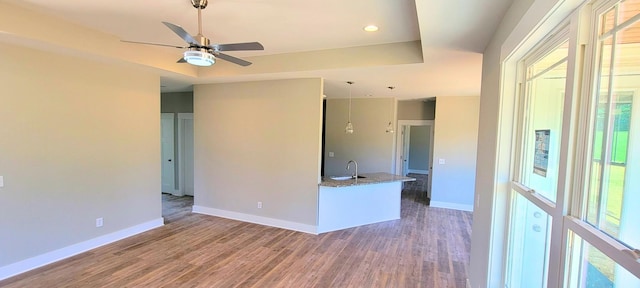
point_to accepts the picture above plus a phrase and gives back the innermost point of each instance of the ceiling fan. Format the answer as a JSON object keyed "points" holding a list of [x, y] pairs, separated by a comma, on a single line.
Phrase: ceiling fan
{"points": [[200, 51]]}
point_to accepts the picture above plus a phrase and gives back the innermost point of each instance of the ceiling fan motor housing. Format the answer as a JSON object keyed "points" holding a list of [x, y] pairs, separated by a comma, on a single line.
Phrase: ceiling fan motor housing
{"points": [[200, 3], [203, 41]]}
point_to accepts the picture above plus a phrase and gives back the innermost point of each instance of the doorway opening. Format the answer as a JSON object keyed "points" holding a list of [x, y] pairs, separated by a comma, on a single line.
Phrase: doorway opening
{"points": [[177, 164], [414, 155]]}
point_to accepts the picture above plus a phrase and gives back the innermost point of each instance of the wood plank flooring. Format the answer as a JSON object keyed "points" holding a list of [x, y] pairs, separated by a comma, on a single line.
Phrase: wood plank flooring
{"points": [[428, 247]]}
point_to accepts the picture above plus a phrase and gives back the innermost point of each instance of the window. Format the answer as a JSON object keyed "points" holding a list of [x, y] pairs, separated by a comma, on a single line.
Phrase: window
{"points": [[535, 189], [605, 232], [574, 201]]}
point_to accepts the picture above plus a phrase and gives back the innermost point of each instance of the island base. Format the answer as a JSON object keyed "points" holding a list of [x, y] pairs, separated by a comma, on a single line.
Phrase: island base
{"points": [[351, 206]]}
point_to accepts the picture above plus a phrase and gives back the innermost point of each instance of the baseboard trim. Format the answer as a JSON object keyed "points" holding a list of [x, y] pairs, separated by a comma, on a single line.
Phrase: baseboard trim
{"points": [[449, 205], [311, 229], [75, 249], [416, 171]]}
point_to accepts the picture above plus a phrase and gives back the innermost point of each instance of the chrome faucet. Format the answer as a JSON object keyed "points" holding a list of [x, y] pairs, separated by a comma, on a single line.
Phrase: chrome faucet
{"points": [[355, 175]]}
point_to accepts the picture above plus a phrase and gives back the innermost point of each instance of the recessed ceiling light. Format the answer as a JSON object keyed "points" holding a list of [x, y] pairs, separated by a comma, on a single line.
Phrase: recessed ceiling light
{"points": [[371, 28]]}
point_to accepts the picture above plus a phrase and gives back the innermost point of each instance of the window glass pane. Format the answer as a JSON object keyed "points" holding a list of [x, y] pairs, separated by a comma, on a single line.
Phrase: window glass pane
{"points": [[628, 9], [608, 21], [528, 244], [590, 268], [543, 130], [613, 191]]}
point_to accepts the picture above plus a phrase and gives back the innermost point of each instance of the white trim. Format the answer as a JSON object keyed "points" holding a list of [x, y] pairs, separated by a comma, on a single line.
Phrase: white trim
{"points": [[295, 226], [400, 140], [449, 205], [535, 25], [75, 249], [400, 147]]}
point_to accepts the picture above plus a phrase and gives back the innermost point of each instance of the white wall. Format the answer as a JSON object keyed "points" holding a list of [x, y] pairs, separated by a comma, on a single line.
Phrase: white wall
{"points": [[369, 144], [258, 141], [79, 140], [455, 138]]}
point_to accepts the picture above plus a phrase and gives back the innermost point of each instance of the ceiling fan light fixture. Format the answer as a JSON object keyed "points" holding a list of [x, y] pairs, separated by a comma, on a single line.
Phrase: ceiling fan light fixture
{"points": [[199, 58]]}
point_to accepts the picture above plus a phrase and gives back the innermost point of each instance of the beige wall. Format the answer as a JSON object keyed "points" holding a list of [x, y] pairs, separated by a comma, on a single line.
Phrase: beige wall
{"points": [[259, 141], [416, 110], [79, 140], [455, 141], [482, 273], [369, 144]]}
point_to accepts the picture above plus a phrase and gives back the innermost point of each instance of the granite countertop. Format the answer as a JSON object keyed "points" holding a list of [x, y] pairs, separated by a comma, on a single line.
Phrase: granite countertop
{"points": [[370, 178]]}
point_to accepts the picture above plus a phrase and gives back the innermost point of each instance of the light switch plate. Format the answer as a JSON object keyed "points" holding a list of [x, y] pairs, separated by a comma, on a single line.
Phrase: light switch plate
{"points": [[331, 154], [441, 161], [1, 181]]}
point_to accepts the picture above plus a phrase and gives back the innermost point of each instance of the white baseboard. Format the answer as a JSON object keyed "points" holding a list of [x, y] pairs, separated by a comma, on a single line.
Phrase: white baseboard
{"points": [[416, 171], [75, 249], [449, 205], [311, 229]]}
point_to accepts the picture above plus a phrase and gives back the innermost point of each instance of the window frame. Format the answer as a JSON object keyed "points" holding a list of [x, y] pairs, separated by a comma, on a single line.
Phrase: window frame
{"points": [[564, 32]]}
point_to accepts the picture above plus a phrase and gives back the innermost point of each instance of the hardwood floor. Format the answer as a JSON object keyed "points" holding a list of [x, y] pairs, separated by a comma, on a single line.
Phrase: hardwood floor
{"points": [[428, 247]]}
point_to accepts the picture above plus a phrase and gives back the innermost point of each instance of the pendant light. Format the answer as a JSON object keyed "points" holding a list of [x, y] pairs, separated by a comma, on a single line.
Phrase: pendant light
{"points": [[349, 128], [390, 126]]}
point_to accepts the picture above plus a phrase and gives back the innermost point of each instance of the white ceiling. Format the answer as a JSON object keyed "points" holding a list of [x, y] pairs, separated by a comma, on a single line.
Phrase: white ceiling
{"points": [[452, 35]]}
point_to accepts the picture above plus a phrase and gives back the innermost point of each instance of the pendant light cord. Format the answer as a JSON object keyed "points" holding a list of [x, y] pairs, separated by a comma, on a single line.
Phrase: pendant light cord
{"points": [[349, 103], [350, 83]]}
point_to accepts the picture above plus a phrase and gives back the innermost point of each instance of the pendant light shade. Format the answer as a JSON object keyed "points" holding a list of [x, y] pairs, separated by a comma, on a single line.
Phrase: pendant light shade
{"points": [[390, 125], [349, 128]]}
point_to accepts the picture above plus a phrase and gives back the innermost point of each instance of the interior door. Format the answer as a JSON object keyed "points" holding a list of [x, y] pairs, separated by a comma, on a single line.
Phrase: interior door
{"points": [[185, 131], [167, 148], [406, 132]]}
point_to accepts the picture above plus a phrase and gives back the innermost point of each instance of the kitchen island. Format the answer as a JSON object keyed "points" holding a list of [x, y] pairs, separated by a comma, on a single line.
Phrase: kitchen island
{"points": [[355, 202]]}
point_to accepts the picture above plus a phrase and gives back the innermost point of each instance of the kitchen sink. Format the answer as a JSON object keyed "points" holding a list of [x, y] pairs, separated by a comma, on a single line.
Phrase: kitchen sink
{"points": [[341, 178]]}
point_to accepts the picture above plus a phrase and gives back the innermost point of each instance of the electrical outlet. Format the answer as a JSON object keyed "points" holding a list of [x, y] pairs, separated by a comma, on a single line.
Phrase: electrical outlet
{"points": [[99, 222], [259, 204], [441, 161]]}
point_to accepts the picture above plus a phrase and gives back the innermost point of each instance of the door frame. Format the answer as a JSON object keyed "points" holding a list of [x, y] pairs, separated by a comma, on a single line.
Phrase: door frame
{"points": [[400, 147]]}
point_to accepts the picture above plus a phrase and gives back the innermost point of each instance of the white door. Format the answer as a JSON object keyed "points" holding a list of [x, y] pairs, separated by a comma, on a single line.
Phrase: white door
{"points": [[185, 146], [406, 141], [167, 147]]}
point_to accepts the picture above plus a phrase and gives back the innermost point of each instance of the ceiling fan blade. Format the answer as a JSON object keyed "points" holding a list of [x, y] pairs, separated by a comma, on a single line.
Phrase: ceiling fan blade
{"points": [[183, 34], [237, 46], [233, 59], [155, 44], [181, 60]]}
